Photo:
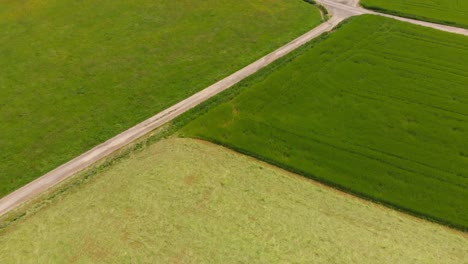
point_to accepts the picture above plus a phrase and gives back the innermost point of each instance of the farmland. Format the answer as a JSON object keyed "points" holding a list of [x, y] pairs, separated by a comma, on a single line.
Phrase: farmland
{"points": [[452, 12], [378, 108], [75, 73], [186, 201]]}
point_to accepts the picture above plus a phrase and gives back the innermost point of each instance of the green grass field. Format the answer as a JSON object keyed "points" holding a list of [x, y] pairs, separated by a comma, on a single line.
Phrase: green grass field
{"points": [[451, 12], [378, 108], [75, 73], [185, 201]]}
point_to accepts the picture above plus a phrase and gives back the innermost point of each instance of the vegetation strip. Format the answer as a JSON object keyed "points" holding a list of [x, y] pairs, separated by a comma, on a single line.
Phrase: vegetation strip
{"points": [[352, 9], [228, 207], [370, 110], [448, 12]]}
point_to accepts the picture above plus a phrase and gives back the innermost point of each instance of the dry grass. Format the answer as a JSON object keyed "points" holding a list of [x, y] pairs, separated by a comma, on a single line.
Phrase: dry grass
{"points": [[186, 201]]}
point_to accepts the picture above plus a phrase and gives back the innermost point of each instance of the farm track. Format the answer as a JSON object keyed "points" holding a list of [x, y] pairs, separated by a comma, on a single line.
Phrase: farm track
{"points": [[340, 12], [103, 150]]}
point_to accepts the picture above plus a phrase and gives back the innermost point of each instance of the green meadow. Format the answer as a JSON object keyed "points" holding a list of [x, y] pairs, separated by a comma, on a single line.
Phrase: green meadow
{"points": [[378, 108], [75, 73], [187, 201], [451, 12]]}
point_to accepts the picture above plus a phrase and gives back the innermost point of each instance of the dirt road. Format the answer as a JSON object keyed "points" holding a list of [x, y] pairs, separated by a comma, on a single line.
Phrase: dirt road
{"points": [[101, 151]]}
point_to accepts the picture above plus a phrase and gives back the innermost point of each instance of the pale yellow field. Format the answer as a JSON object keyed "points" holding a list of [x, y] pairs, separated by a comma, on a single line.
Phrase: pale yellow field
{"points": [[186, 201]]}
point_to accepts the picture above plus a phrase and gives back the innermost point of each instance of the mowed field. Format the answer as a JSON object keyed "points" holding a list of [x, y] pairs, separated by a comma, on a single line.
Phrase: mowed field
{"points": [[187, 201], [378, 108], [75, 73], [452, 12]]}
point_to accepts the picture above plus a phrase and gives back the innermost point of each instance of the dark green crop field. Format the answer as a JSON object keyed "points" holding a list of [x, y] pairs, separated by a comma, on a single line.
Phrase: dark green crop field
{"points": [[378, 108], [451, 12], [75, 73]]}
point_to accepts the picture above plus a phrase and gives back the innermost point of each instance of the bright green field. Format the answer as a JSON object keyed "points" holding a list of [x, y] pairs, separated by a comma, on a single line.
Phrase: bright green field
{"points": [[452, 12], [185, 201], [75, 73], [379, 108]]}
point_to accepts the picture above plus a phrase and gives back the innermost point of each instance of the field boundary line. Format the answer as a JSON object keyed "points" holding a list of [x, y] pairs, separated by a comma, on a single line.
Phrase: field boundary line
{"points": [[121, 140]]}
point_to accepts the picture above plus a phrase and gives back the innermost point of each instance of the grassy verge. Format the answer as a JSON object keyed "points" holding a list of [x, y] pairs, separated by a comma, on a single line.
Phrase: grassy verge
{"points": [[77, 73], [323, 10], [370, 110], [447, 12], [229, 208]]}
